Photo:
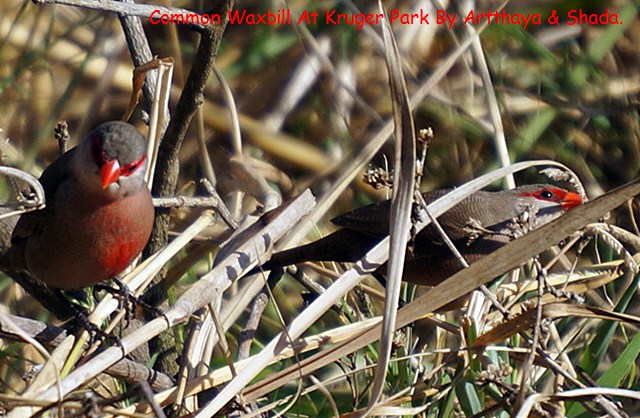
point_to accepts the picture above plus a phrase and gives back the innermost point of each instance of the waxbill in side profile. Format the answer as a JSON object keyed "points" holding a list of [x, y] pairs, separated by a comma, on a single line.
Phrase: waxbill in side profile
{"points": [[479, 225], [98, 215]]}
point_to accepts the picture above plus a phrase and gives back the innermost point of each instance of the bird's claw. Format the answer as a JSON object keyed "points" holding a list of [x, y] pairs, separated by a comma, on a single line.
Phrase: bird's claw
{"points": [[475, 230], [123, 295], [127, 300], [133, 300], [95, 332]]}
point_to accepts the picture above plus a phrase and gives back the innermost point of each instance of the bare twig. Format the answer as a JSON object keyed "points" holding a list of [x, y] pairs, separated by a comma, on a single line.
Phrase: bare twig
{"points": [[31, 201], [244, 343], [166, 177], [61, 133]]}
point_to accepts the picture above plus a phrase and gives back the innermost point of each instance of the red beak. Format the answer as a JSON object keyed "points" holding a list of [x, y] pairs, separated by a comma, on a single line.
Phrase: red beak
{"points": [[571, 200], [110, 173]]}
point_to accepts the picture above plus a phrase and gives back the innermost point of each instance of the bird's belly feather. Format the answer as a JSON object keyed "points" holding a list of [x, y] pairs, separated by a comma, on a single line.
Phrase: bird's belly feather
{"points": [[80, 257]]}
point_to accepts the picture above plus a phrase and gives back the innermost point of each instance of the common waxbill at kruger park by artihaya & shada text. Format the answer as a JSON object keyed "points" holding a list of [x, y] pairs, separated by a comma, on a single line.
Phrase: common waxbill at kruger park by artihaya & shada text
{"points": [[98, 215], [479, 225]]}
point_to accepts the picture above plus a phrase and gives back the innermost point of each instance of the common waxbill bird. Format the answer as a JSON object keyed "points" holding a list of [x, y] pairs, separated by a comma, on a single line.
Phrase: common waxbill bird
{"points": [[479, 225], [98, 215]]}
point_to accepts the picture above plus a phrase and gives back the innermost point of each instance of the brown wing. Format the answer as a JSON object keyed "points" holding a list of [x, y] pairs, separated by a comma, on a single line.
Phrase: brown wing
{"points": [[492, 209], [374, 219]]}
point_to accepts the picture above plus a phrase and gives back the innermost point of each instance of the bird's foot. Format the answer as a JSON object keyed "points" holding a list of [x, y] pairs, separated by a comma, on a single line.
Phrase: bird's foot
{"points": [[127, 300], [475, 230], [96, 333], [523, 224]]}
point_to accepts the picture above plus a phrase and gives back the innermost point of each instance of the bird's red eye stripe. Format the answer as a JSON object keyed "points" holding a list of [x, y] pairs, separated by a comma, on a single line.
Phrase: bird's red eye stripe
{"points": [[130, 168], [568, 200], [97, 153], [549, 194]]}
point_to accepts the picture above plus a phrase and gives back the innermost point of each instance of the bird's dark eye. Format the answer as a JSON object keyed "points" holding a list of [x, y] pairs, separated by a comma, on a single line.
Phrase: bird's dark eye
{"points": [[131, 167], [546, 194]]}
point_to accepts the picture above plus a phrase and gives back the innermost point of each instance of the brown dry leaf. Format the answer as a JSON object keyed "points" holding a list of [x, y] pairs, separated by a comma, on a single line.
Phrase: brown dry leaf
{"points": [[579, 281], [550, 311]]}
